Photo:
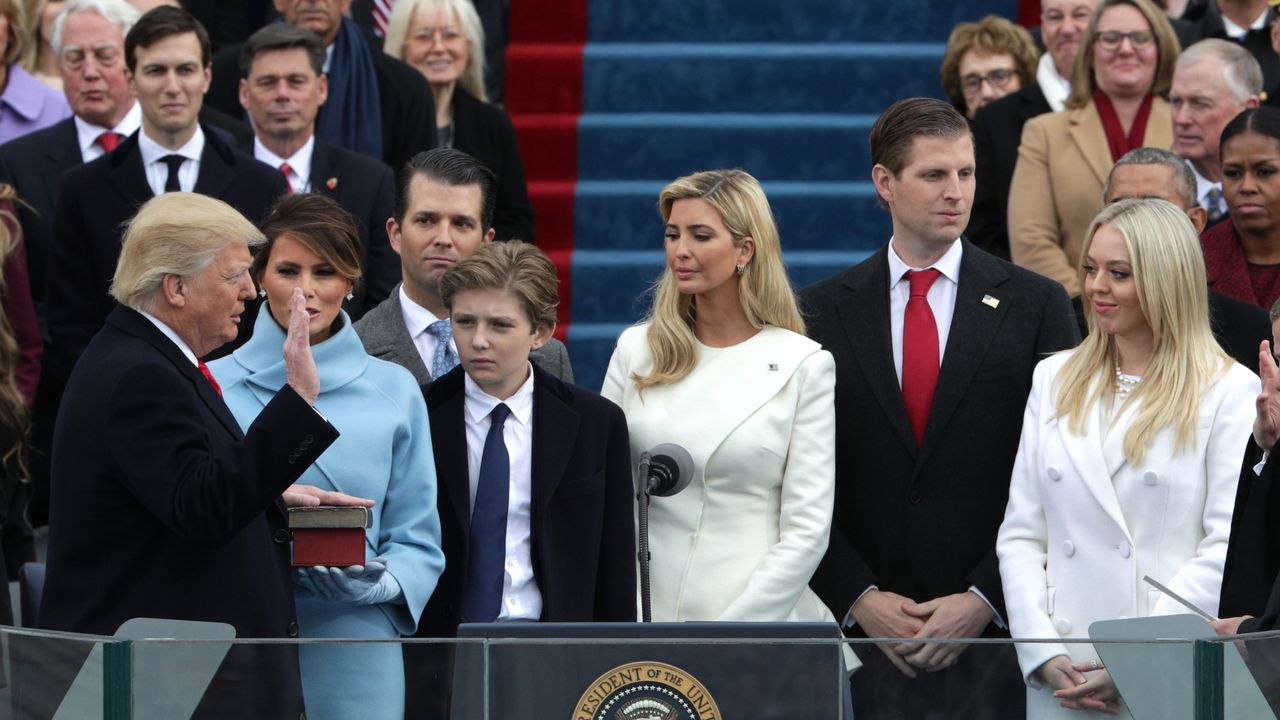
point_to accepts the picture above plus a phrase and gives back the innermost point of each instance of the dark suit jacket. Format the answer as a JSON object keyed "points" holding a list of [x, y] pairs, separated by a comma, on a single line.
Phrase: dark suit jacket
{"points": [[1202, 19], [152, 471], [366, 188], [922, 521], [997, 133], [408, 108], [1253, 554], [97, 198], [1237, 326], [484, 131], [582, 534]]}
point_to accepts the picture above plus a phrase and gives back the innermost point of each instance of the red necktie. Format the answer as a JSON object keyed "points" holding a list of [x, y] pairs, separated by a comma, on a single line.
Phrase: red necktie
{"points": [[919, 351], [204, 370], [286, 170], [381, 13], [108, 140]]}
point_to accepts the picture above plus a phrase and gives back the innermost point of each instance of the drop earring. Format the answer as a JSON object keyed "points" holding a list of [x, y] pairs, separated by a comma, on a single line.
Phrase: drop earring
{"points": [[262, 293], [741, 268], [351, 296]]}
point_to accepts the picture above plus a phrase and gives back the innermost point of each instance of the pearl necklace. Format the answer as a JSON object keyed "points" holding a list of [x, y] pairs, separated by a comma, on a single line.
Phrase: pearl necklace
{"points": [[1125, 383]]}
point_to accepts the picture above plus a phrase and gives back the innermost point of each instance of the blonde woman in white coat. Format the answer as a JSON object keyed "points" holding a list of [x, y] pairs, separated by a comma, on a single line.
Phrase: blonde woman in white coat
{"points": [[722, 367], [1131, 448]]}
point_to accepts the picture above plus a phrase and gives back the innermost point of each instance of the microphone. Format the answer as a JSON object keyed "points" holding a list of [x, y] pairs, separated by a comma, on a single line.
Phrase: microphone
{"points": [[670, 470]]}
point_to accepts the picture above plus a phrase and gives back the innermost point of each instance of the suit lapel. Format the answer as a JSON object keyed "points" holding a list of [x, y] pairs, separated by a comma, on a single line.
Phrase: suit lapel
{"points": [[555, 427], [449, 435], [974, 323], [63, 156], [388, 338], [1087, 455], [322, 170], [127, 173], [1091, 140], [864, 313], [216, 173]]}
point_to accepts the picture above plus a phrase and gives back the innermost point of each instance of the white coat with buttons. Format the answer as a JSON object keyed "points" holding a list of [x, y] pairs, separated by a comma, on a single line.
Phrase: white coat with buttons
{"points": [[1083, 526]]}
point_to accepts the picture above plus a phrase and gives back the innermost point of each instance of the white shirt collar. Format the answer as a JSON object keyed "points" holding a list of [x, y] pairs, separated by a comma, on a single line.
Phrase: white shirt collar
{"points": [[87, 134], [299, 162], [948, 264], [328, 58], [169, 333], [152, 151], [480, 403], [416, 317], [1235, 31], [1203, 186], [1056, 88]]}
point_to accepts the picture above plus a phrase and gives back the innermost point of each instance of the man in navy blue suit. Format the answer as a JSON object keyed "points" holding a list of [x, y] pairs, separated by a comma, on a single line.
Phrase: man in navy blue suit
{"points": [[282, 90], [167, 55], [152, 471]]}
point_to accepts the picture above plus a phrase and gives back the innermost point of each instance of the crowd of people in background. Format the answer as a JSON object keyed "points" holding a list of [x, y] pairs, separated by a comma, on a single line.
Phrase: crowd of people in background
{"points": [[1054, 378]]}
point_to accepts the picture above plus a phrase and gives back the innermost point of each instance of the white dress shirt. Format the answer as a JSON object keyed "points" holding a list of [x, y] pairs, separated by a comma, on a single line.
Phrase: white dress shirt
{"points": [[169, 333], [521, 599], [1055, 87], [416, 320], [1237, 33], [87, 134], [158, 172], [1203, 186], [942, 298], [299, 163]]}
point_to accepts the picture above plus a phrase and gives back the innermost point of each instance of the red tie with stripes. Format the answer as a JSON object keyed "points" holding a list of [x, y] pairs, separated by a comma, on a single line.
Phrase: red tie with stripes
{"points": [[287, 171], [919, 351], [381, 12]]}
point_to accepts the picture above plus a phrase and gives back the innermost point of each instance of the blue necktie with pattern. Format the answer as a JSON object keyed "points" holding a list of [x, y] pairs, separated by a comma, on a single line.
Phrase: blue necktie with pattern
{"points": [[444, 359]]}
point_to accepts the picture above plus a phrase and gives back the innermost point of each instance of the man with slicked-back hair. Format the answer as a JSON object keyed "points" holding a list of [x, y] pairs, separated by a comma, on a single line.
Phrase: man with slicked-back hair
{"points": [[934, 342]]}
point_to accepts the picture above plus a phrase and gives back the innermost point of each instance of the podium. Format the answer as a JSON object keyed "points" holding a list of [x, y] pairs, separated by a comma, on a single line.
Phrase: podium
{"points": [[693, 671]]}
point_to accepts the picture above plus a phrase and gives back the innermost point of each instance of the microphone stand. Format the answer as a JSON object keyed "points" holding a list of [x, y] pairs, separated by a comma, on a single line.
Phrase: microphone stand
{"points": [[642, 554]]}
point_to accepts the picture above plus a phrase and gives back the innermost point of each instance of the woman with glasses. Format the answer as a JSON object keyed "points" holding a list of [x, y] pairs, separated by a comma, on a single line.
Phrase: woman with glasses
{"points": [[1117, 103], [443, 39], [985, 61]]}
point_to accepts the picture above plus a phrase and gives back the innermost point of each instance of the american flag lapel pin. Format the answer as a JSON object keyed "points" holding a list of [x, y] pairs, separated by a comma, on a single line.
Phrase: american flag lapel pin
{"points": [[990, 301], [773, 367]]}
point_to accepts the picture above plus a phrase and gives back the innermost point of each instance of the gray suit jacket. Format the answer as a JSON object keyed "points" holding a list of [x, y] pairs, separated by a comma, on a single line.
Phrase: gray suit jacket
{"points": [[385, 337]]}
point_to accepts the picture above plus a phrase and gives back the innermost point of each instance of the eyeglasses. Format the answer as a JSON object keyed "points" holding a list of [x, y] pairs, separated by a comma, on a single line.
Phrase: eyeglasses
{"points": [[997, 78], [1111, 39]]}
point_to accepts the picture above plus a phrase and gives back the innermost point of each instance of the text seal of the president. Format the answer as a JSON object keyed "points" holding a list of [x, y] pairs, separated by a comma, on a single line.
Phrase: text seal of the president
{"points": [[646, 691]]}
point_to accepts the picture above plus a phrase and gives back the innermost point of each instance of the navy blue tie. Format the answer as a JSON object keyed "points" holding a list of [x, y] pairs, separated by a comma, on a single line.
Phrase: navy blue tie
{"points": [[485, 563]]}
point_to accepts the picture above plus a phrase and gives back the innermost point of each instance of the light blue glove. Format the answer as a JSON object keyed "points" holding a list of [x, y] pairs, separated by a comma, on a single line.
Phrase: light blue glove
{"points": [[368, 584]]}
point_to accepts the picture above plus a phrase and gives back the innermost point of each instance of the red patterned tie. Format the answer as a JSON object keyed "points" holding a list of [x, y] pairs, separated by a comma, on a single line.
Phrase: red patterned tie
{"points": [[204, 370], [919, 351], [381, 12], [109, 140], [287, 171]]}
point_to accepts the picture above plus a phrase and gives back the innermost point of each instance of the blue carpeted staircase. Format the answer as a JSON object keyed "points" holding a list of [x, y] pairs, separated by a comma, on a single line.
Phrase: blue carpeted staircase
{"points": [[786, 91]]}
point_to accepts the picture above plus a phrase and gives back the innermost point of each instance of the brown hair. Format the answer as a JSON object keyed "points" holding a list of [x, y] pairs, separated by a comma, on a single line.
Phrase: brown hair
{"points": [[19, 35], [1083, 79], [992, 35], [321, 225], [894, 132], [160, 23], [518, 267]]}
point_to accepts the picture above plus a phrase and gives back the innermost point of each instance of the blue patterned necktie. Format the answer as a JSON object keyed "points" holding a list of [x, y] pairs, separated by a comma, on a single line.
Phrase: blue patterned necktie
{"points": [[444, 359], [1214, 205], [481, 601]]}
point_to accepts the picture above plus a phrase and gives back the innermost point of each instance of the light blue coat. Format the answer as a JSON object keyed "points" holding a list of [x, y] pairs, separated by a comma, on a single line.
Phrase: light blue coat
{"points": [[384, 454]]}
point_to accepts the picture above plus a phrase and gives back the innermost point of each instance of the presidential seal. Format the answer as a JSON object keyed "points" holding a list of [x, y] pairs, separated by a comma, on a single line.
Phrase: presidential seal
{"points": [[646, 691]]}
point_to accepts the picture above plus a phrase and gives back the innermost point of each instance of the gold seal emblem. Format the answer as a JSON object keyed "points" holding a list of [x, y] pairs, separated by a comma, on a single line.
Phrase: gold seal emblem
{"points": [[646, 691]]}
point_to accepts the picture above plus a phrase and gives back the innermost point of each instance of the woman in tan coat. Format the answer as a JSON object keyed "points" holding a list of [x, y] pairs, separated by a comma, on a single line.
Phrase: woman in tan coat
{"points": [[1122, 73]]}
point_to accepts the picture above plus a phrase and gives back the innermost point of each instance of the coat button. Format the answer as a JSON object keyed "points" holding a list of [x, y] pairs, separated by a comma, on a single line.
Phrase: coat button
{"points": [[1068, 548], [1151, 478], [914, 498], [292, 630], [1125, 549], [282, 536], [1054, 473], [1062, 626]]}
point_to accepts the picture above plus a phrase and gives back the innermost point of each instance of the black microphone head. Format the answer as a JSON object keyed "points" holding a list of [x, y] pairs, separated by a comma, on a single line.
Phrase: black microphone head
{"points": [[670, 470]]}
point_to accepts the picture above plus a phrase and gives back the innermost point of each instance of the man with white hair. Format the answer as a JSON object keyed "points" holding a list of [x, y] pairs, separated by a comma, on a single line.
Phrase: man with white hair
{"points": [[1213, 81], [997, 128], [152, 471]]}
